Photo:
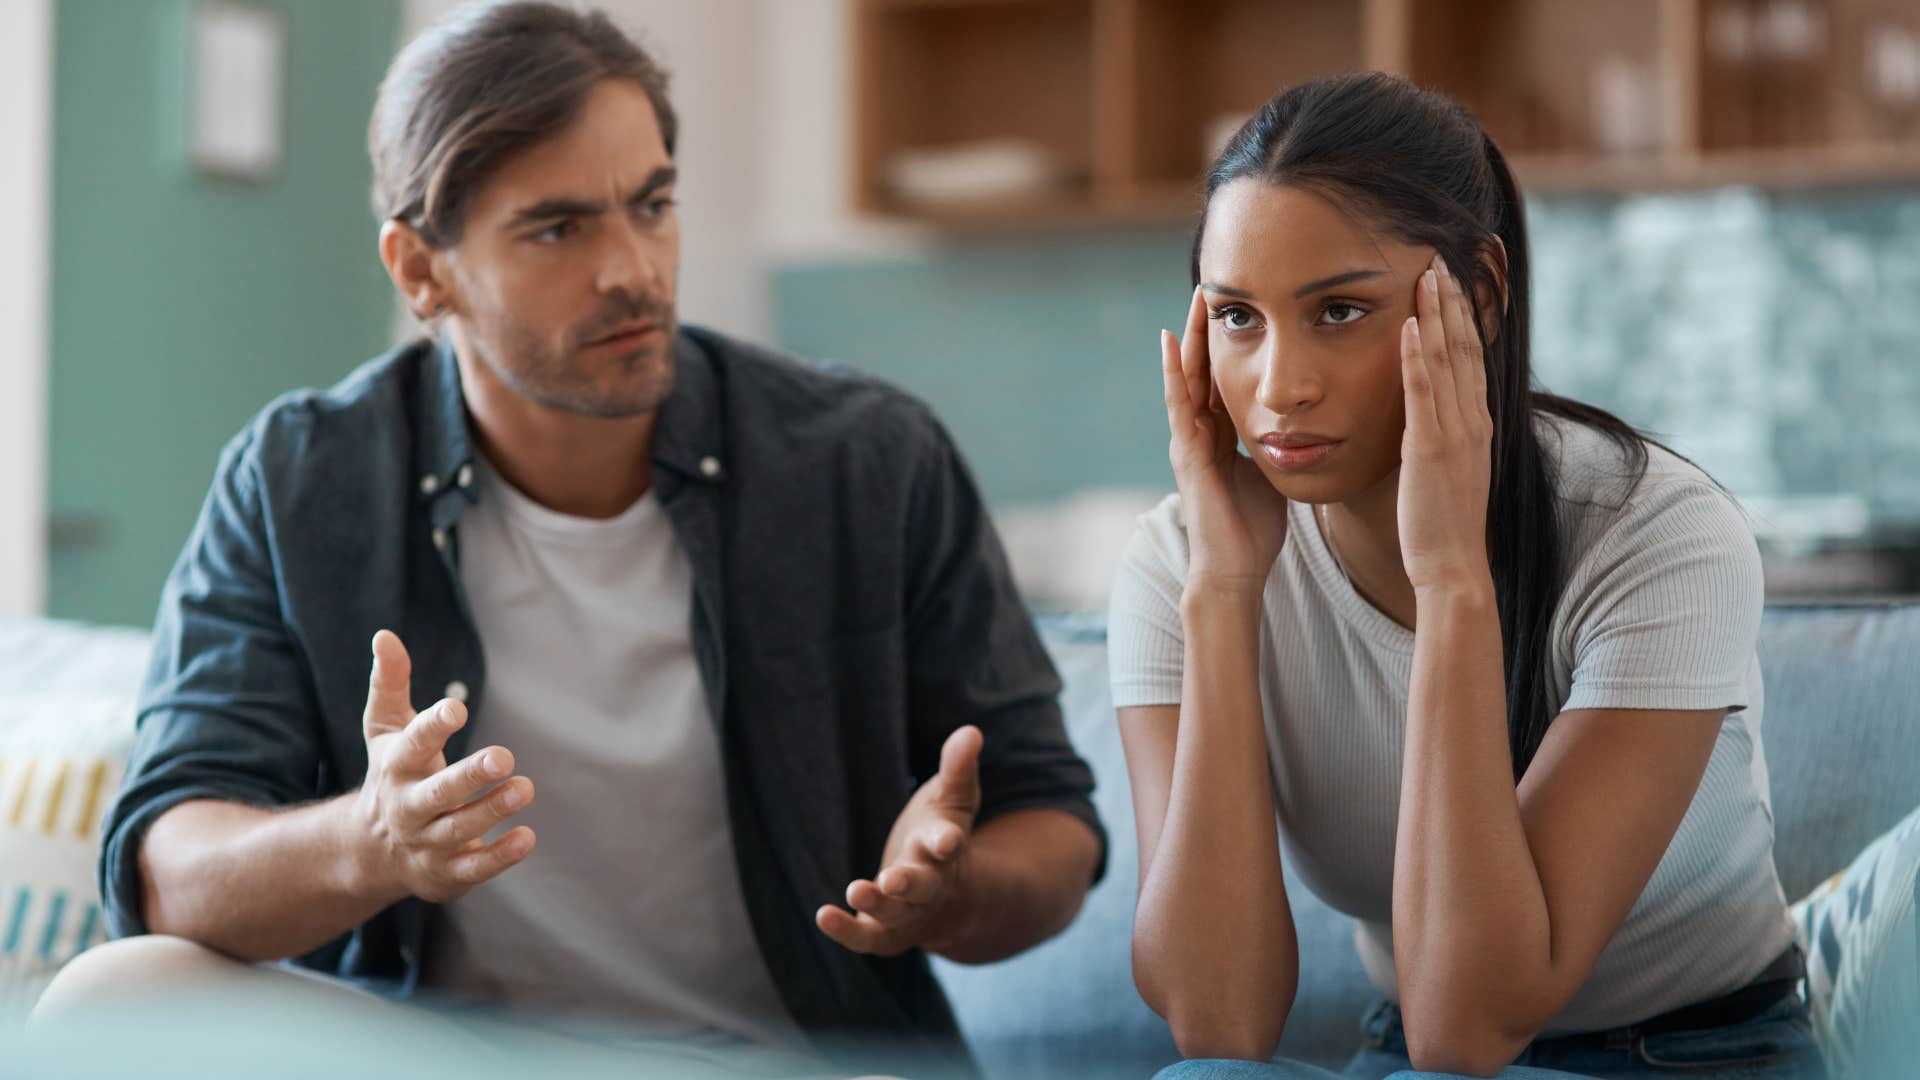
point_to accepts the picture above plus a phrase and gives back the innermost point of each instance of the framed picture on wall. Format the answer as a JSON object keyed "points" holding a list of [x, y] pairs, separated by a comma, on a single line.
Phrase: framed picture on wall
{"points": [[236, 78]]}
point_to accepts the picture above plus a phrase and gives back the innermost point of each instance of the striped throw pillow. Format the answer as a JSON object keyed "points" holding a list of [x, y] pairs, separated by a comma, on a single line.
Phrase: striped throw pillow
{"points": [[61, 759]]}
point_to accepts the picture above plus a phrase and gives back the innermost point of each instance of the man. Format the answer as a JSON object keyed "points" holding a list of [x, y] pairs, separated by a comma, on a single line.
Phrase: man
{"points": [[743, 621]]}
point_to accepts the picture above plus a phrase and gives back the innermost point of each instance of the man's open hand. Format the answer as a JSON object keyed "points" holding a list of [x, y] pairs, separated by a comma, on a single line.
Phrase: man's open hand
{"points": [[421, 822], [914, 901]]}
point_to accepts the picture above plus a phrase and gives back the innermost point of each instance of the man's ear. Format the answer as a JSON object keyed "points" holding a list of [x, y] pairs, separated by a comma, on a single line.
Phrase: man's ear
{"points": [[1492, 296], [416, 271]]}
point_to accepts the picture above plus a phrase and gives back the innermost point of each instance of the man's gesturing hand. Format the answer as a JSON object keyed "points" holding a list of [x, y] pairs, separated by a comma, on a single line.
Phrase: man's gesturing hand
{"points": [[419, 823], [916, 900]]}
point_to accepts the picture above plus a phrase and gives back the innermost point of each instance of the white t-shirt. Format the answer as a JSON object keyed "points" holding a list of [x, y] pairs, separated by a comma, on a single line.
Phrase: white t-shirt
{"points": [[630, 906], [1661, 611]]}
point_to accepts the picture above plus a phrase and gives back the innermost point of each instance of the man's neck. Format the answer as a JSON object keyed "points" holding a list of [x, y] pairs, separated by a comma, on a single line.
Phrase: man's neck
{"points": [[576, 465]]}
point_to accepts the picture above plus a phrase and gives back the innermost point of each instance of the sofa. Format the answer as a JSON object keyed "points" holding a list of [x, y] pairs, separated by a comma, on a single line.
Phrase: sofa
{"points": [[1842, 740]]}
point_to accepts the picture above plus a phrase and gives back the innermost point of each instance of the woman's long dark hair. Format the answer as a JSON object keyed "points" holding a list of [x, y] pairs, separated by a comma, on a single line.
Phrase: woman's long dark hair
{"points": [[1421, 168]]}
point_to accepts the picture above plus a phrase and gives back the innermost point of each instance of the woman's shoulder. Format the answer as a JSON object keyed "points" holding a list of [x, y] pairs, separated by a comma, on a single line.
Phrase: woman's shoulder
{"points": [[1159, 541], [1596, 477], [1614, 512]]}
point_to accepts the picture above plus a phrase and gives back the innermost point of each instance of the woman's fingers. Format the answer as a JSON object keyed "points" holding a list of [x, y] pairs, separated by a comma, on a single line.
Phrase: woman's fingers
{"points": [[1179, 405], [1416, 381], [1472, 364], [1194, 361], [1435, 343]]}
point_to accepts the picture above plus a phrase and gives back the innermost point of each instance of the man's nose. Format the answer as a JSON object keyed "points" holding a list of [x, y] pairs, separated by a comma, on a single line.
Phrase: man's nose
{"points": [[630, 264]]}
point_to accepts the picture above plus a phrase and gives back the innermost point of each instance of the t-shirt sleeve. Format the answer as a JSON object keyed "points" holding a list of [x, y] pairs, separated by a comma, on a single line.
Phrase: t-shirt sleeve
{"points": [[1146, 645], [1669, 606]]}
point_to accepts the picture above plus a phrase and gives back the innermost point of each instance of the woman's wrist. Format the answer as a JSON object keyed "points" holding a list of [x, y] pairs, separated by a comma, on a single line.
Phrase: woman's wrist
{"points": [[1209, 596]]}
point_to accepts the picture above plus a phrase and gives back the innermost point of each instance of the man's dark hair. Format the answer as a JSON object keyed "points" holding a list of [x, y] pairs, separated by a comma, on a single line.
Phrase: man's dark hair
{"points": [[479, 87]]}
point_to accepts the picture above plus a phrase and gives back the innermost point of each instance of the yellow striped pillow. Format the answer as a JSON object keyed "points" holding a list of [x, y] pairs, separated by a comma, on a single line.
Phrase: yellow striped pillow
{"points": [[61, 759]]}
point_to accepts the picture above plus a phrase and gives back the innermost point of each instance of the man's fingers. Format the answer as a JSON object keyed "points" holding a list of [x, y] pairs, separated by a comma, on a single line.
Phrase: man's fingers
{"points": [[478, 817], [960, 770], [910, 881], [490, 860], [426, 736], [860, 933], [868, 899], [389, 699], [939, 842], [452, 786]]}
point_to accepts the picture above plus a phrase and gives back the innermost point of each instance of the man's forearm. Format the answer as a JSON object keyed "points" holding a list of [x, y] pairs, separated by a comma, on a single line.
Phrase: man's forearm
{"points": [[256, 884], [1028, 872]]}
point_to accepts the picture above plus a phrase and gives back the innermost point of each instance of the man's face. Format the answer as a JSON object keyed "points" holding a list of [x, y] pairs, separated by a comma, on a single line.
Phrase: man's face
{"points": [[563, 279]]}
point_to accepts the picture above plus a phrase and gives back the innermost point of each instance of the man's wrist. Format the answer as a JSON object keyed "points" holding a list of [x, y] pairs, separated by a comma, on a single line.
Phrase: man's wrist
{"points": [[359, 871]]}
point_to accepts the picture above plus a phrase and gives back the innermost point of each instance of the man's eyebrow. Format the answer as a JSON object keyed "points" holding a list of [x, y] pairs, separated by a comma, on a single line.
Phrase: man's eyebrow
{"points": [[548, 209], [564, 207], [664, 176]]}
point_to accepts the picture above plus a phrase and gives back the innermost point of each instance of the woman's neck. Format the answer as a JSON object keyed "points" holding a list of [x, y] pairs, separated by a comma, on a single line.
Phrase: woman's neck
{"points": [[1364, 534]]}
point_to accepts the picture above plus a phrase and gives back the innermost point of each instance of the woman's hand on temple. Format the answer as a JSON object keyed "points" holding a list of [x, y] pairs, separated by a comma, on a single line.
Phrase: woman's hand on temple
{"points": [[1236, 521], [1446, 455]]}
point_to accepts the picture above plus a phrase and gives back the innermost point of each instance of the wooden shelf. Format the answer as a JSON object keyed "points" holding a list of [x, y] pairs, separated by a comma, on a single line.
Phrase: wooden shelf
{"points": [[1125, 101]]}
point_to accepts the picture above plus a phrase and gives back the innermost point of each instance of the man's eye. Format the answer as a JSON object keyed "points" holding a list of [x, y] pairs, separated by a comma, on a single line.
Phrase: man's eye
{"points": [[654, 208], [1339, 314], [555, 232]]}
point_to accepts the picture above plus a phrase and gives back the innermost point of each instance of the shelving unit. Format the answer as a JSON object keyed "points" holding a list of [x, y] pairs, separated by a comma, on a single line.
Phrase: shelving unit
{"points": [[1117, 105]]}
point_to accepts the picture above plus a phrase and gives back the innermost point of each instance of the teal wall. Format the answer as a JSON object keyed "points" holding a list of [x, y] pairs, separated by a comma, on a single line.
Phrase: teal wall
{"points": [[181, 305], [1774, 337]]}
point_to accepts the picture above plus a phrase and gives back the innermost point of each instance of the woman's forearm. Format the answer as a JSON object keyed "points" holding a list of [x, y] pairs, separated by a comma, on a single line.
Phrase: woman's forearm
{"points": [[1214, 945], [1470, 922]]}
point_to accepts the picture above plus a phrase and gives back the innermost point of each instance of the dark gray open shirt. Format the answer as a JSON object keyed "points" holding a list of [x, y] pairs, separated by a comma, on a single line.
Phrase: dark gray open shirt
{"points": [[852, 607]]}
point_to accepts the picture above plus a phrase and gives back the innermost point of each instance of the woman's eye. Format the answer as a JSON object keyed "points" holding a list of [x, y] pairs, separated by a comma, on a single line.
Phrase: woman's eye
{"points": [[1234, 318], [1339, 314]]}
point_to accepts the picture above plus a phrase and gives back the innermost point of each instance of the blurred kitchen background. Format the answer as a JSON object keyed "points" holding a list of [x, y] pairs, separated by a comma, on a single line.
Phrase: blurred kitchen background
{"points": [[989, 202]]}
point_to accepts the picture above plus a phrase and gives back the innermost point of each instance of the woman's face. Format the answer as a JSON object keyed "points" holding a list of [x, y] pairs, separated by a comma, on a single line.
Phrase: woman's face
{"points": [[1305, 304]]}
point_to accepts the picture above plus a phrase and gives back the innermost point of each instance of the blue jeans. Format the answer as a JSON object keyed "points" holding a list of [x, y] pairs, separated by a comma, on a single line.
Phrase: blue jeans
{"points": [[1775, 1045]]}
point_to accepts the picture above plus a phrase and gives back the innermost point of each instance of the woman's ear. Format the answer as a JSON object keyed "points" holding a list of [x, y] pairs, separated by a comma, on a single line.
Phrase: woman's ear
{"points": [[410, 262], [1491, 297]]}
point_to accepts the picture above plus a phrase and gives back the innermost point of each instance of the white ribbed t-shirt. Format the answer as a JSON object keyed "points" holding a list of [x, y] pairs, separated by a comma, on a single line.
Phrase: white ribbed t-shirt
{"points": [[1661, 610]]}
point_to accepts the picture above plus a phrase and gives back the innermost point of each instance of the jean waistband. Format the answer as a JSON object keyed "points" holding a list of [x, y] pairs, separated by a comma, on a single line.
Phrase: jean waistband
{"points": [[1774, 984]]}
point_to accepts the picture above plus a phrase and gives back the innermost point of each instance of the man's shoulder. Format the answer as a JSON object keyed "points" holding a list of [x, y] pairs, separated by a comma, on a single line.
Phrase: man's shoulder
{"points": [[366, 409], [823, 402]]}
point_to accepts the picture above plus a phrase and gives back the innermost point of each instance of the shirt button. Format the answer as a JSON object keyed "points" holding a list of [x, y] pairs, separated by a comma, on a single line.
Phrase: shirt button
{"points": [[466, 476], [429, 484], [456, 690], [440, 540], [710, 467]]}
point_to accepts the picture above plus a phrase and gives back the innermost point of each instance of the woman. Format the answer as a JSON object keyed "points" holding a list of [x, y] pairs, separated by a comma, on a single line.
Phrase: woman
{"points": [[1479, 656]]}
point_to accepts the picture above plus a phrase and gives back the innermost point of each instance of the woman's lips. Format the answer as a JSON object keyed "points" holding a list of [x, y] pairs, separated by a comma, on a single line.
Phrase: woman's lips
{"points": [[1295, 451]]}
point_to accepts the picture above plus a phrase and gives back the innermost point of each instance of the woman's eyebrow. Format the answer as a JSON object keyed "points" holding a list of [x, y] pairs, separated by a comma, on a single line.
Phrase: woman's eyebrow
{"points": [[1336, 279]]}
